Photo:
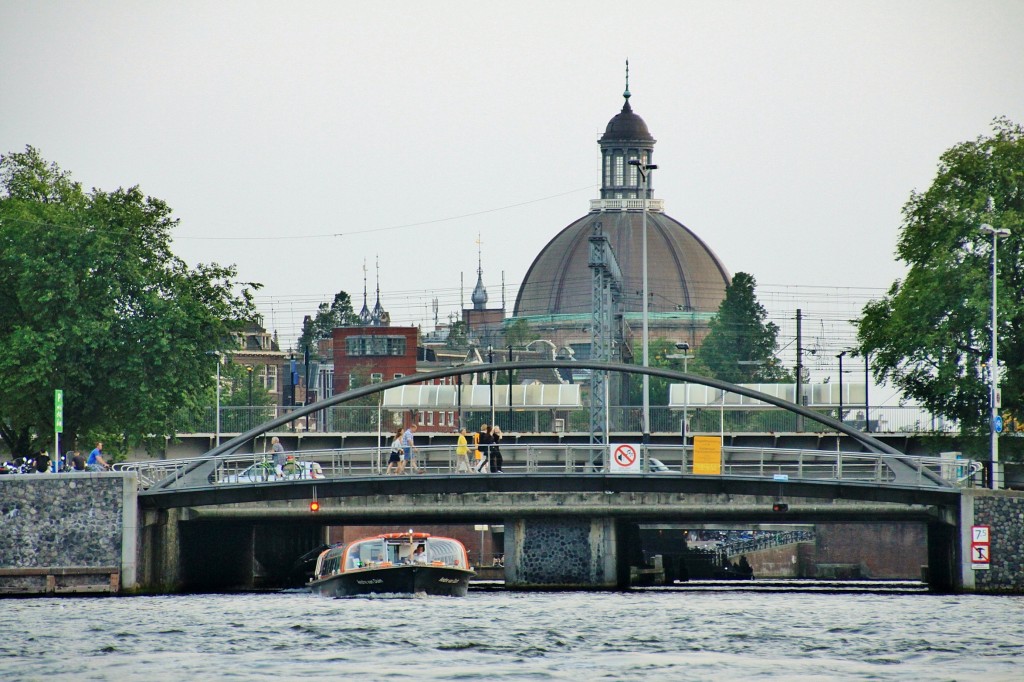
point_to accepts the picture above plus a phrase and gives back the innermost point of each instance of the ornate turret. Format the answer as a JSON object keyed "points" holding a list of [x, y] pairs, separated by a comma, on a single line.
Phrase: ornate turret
{"points": [[479, 296], [626, 137]]}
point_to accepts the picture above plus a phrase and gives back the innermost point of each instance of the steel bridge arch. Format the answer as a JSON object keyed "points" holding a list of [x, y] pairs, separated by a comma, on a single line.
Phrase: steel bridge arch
{"points": [[872, 444]]}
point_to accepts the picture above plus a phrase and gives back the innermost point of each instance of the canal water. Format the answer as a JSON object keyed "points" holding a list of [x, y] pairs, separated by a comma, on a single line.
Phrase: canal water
{"points": [[658, 634]]}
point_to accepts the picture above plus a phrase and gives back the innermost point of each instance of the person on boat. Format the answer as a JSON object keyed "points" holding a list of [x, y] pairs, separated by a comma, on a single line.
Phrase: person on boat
{"points": [[395, 457], [462, 453], [419, 556]]}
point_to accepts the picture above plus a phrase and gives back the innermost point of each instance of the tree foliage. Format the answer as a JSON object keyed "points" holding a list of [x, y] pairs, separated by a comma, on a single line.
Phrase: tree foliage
{"points": [[338, 314], [740, 346], [930, 335], [93, 302]]}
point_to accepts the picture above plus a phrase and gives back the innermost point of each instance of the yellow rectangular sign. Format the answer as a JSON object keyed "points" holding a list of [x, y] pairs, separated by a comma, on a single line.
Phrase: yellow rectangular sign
{"points": [[707, 455]]}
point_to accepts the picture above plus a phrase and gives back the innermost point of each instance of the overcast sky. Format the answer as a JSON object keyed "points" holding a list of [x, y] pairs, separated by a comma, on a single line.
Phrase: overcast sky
{"points": [[298, 140]]}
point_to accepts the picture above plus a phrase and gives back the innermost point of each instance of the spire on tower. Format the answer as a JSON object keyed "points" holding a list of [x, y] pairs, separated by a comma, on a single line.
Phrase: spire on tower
{"points": [[364, 314]]}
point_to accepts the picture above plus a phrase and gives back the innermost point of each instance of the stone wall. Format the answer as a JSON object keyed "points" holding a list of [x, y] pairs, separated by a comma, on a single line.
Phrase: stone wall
{"points": [[560, 553], [1003, 512], [67, 532]]}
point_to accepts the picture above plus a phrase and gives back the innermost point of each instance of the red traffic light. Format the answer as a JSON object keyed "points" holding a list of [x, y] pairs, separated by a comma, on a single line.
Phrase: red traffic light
{"points": [[780, 507], [314, 506]]}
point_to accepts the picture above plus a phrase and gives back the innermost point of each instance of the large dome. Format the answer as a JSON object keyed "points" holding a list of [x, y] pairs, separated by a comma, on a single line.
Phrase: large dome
{"points": [[684, 275]]}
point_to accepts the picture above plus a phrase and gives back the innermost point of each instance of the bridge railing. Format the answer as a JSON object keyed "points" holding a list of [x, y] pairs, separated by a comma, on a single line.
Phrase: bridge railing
{"points": [[705, 419], [764, 462]]}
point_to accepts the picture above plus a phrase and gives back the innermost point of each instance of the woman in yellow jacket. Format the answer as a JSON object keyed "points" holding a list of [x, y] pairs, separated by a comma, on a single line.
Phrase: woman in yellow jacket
{"points": [[462, 453]]}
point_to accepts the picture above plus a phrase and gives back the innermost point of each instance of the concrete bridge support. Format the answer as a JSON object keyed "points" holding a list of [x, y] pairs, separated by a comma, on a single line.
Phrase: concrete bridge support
{"points": [[560, 553]]}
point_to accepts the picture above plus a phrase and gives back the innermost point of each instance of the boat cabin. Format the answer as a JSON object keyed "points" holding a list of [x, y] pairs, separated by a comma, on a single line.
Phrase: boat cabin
{"points": [[392, 549]]}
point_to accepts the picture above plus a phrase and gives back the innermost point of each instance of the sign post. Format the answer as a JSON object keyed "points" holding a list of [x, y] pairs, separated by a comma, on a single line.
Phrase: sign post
{"points": [[707, 455], [58, 427], [981, 556], [625, 458]]}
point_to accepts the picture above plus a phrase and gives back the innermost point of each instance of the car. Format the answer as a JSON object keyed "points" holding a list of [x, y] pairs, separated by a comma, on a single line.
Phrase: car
{"points": [[656, 466], [292, 470]]}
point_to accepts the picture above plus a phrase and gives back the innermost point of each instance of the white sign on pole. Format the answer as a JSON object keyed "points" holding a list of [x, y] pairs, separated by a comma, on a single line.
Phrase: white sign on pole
{"points": [[625, 458], [981, 549]]}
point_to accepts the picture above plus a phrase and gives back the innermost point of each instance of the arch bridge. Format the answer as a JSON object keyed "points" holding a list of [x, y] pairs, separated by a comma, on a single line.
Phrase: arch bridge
{"points": [[566, 522]]}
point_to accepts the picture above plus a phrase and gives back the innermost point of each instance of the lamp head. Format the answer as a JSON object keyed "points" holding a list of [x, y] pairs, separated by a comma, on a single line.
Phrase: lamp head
{"points": [[683, 346]]}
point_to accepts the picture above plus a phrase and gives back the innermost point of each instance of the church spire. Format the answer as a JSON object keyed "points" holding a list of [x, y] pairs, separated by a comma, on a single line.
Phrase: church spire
{"points": [[364, 314], [479, 297], [380, 316], [626, 93]]}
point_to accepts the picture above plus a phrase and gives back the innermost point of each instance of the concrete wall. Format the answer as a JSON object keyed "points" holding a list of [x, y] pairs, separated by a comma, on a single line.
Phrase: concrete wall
{"points": [[1003, 512], [68, 532]]}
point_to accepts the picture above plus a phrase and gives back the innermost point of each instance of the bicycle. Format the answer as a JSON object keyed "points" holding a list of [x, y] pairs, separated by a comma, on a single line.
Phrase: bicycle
{"points": [[264, 470]]}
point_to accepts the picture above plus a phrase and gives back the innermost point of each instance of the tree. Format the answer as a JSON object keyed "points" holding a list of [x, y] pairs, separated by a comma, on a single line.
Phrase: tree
{"points": [[93, 302], [739, 334], [458, 336], [518, 333], [930, 335], [328, 317]]}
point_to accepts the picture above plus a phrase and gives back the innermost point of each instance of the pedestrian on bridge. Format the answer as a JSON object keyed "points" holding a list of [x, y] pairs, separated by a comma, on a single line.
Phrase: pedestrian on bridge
{"points": [[483, 444], [409, 449], [496, 458], [462, 453], [395, 456], [279, 457]]}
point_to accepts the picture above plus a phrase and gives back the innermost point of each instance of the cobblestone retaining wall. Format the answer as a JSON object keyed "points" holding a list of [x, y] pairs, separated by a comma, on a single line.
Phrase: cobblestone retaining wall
{"points": [[1003, 512], [559, 553], [62, 529]]}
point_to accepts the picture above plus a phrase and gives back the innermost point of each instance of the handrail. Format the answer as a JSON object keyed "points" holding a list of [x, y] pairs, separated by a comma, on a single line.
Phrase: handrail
{"points": [[572, 459]]}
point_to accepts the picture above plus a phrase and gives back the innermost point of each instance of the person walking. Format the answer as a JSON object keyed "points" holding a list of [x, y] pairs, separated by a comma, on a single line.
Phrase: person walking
{"points": [[279, 457], [483, 440], [395, 456], [496, 458], [462, 453], [96, 461], [409, 449]]}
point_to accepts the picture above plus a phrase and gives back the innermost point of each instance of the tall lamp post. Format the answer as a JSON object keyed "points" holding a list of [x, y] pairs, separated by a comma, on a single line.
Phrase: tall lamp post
{"points": [[220, 358], [840, 356], [684, 356], [996, 424], [644, 169], [490, 361]]}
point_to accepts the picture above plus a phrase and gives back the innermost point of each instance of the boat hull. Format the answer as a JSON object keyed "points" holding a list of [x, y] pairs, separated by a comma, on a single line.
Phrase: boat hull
{"points": [[433, 580]]}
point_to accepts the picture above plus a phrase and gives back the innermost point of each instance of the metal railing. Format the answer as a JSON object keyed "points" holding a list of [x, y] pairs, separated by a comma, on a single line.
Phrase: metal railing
{"points": [[705, 419], [765, 462]]}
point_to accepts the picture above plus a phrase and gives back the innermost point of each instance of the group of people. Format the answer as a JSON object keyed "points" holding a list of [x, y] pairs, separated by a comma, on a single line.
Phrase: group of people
{"points": [[73, 460], [403, 452], [486, 450]]}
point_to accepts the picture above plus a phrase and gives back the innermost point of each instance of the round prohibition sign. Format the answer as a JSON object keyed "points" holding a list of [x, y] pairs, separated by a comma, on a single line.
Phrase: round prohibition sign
{"points": [[625, 455]]}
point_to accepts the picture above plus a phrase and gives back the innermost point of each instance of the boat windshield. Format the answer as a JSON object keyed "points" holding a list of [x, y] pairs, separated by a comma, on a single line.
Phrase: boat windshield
{"points": [[445, 551], [366, 553]]}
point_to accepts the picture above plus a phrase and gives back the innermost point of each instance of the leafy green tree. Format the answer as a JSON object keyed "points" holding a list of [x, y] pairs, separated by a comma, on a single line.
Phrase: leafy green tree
{"points": [[518, 333], [93, 302], [457, 335], [931, 334], [740, 346], [338, 314]]}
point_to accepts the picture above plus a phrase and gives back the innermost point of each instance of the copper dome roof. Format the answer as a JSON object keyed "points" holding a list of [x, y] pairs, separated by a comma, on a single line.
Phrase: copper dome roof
{"points": [[683, 273]]}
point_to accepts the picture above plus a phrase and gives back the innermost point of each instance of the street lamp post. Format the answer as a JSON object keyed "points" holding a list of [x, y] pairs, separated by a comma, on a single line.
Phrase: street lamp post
{"points": [[685, 347], [490, 361], [220, 358], [509, 424], [249, 369], [995, 425], [644, 169], [840, 356]]}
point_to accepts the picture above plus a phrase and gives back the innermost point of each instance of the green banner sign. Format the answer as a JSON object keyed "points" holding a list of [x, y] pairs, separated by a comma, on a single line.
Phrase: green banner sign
{"points": [[58, 411]]}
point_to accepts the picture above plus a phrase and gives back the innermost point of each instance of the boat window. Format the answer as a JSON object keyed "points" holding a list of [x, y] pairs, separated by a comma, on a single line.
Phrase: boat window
{"points": [[446, 551], [367, 553]]}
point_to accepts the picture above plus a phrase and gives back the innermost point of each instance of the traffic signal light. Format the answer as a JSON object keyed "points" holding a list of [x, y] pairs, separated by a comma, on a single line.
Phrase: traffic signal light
{"points": [[314, 506], [780, 507]]}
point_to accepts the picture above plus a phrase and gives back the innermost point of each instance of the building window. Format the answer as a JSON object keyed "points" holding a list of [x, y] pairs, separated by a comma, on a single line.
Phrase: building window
{"points": [[268, 378], [619, 162], [376, 378], [399, 375], [352, 383], [327, 382], [451, 419], [430, 418], [421, 419], [631, 173], [359, 346], [607, 170]]}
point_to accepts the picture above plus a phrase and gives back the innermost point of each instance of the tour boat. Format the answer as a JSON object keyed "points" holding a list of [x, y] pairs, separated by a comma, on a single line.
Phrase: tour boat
{"points": [[401, 563]]}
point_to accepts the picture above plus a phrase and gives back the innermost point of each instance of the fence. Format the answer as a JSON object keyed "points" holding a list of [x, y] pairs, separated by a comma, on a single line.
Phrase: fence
{"points": [[363, 419]]}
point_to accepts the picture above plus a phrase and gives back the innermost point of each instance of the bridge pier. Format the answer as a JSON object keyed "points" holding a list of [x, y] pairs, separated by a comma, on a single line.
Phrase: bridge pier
{"points": [[561, 553]]}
